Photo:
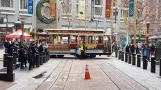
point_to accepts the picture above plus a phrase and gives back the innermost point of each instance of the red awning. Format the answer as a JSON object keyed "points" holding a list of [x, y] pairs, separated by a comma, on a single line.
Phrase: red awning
{"points": [[18, 34]]}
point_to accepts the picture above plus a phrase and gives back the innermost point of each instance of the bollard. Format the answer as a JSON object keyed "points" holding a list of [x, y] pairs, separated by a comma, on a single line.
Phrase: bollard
{"points": [[10, 65], [129, 58], [5, 60], [138, 60], [37, 60], [160, 67], [126, 56], [14, 57], [153, 64], [5, 50], [144, 62], [122, 56], [134, 59], [46, 56], [41, 60], [119, 55]]}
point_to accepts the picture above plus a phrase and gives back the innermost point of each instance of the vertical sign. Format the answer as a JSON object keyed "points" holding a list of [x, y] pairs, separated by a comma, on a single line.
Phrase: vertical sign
{"points": [[30, 7], [108, 9], [131, 8], [52, 8], [81, 9]]}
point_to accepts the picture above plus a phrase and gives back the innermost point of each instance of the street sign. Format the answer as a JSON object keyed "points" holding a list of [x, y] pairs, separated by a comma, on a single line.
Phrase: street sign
{"points": [[131, 8], [30, 7]]}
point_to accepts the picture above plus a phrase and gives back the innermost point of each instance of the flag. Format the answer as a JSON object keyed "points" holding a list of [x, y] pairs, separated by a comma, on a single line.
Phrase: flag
{"points": [[131, 8], [108, 8], [52, 8], [81, 9]]}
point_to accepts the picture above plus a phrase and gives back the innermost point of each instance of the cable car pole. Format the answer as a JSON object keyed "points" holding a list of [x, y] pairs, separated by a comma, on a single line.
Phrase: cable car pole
{"points": [[111, 24], [35, 20]]}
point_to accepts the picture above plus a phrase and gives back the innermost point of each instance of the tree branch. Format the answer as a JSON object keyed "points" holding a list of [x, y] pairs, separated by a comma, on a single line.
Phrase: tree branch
{"points": [[137, 22]]}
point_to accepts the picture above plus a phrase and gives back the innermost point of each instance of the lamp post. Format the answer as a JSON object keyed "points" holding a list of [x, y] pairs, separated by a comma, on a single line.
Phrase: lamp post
{"points": [[116, 14], [147, 36], [20, 25], [6, 21]]}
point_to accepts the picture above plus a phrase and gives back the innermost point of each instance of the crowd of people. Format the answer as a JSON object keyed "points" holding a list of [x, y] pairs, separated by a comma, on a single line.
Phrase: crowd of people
{"points": [[137, 49], [144, 49], [26, 51]]}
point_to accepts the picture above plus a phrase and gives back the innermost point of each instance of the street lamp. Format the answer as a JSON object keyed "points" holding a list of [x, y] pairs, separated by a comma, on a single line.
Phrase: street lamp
{"points": [[116, 14], [147, 37], [20, 25], [6, 21]]}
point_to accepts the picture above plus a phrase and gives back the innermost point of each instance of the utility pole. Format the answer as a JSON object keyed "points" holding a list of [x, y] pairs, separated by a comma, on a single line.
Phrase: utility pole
{"points": [[85, 14], [111, 23], [6, 24], [35, 20], [135, 20], [57, 21]]}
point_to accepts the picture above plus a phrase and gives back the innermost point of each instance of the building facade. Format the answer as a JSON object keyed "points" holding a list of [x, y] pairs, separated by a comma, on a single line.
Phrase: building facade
{"points": [[10, 11], [68, 13]]}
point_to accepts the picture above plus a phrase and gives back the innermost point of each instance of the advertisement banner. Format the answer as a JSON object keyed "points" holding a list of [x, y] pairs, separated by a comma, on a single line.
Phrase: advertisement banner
{"points": [[81, 9], [108, 9], [131, 8], [52, 8]]}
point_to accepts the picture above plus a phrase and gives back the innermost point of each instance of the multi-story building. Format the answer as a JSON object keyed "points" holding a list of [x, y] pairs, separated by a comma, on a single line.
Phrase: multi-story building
{"points": [[68, 11], [10, 11]]}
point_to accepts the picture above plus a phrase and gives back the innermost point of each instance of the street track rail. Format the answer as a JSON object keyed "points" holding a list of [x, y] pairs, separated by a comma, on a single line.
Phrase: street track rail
{"points": [[59, 74], [120, 79]]}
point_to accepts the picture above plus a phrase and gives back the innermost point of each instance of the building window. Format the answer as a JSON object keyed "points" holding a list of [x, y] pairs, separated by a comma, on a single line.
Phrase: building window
{"points": [[125, 13], [114, 3], [23, 4], [6, 3], [98, 8], [98, 11], [98, 2], [67, 7]]}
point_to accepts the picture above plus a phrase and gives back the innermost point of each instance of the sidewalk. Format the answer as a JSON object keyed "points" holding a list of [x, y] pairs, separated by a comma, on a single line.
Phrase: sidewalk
{"points": [[1, 54], [145, 77], [107, 73]]}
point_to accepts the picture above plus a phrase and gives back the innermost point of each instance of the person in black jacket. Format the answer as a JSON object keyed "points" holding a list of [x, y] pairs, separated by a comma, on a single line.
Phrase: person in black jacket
{"points": [[10, 49], [33, 48], [21, 56], [30, 58], [132, 48], [127, 48]]}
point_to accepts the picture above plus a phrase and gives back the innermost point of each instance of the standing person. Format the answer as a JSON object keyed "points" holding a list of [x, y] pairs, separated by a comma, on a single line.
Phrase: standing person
{"points": [[144, 51], [152, 49], [6, 45], [127, 48], [132, 48], [30, 58], [21, 56], [33, 48], [116, 48], [9, 49], [136, 49], [84, 49]]}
